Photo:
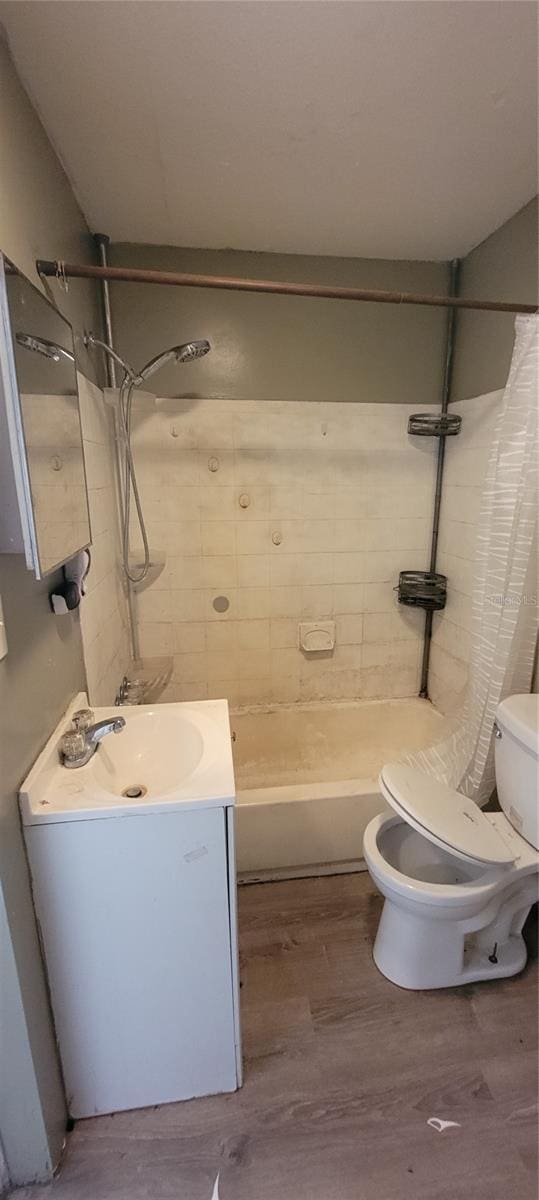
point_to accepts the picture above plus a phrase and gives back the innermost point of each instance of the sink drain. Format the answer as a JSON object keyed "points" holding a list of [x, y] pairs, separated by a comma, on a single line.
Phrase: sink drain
{"points": [[135, 791]]}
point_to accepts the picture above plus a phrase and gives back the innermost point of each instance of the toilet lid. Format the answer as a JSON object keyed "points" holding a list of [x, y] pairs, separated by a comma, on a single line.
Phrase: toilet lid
{"points": [[442, 815]]}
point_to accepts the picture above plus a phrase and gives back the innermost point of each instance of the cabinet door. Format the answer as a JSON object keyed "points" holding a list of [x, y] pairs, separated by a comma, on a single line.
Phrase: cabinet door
{"points": [[43, 493], [135, 921]]}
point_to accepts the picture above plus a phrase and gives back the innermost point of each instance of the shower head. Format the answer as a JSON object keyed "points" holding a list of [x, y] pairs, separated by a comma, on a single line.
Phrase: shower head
{"points": [[44, 346], [191, 350], [180, 354]]}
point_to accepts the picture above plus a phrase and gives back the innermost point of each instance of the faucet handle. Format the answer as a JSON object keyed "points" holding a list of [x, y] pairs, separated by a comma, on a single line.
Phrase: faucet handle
{"points": [[72, 745], [82, 719]]}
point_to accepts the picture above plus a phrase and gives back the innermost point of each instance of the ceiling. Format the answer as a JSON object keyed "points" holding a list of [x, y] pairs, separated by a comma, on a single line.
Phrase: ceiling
{"points": [[399, 129]]}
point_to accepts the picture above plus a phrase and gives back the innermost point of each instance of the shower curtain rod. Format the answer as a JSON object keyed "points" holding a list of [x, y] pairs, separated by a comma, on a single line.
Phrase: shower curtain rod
{"points": [[63, 270]]}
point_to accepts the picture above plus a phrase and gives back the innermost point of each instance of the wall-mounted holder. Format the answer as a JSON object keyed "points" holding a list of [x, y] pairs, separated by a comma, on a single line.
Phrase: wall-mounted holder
{"points": [[67, 594], [158, 562], [422, 589], [434, 424]]}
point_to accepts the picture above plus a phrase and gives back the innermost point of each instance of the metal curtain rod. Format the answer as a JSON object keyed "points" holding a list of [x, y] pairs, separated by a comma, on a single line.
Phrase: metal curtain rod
{"points": [[65, 270]]}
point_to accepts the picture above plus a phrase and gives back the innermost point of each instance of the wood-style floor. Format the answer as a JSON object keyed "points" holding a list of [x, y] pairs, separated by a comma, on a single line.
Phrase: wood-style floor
{"points": [[342, 1072]]}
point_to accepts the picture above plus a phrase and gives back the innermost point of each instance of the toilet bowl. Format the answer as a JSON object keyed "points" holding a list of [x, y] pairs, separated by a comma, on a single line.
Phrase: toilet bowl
{"points": [[458, 883]]}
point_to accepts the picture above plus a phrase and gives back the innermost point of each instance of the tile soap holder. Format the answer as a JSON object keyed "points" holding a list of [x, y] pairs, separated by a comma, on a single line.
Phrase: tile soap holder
{"points": [[315, 636]]}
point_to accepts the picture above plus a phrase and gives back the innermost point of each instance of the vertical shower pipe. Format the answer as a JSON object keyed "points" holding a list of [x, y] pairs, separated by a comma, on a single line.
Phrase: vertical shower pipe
{"points": [[102, 241], [446, 391]]}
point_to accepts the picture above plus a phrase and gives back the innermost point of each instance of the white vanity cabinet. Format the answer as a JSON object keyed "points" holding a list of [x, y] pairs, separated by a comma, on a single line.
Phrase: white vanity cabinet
{"points": [[135, 918], [136, 906]]}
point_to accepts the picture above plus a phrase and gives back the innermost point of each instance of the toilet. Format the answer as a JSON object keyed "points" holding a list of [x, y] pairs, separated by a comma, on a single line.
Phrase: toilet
{"points": [[458, 882]]}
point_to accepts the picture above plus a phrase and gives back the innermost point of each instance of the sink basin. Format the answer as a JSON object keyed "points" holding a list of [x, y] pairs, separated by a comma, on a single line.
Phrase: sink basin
{"points": [[167, 756], [156, 751]]}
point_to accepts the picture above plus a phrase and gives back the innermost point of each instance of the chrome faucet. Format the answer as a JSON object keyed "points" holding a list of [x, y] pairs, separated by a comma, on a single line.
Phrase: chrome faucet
{"points": [[79, 744]]}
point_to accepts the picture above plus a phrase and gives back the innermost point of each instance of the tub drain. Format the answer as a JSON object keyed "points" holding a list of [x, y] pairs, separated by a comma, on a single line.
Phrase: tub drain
{"points": [[135, 791]]}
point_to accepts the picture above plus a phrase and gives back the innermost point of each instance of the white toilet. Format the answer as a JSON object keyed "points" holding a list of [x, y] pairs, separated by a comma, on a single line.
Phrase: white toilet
{"points": [[458, 882]]}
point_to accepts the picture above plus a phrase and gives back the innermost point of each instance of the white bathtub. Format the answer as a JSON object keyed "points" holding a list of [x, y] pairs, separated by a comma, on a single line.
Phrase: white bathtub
{"points": [[306, 778]]}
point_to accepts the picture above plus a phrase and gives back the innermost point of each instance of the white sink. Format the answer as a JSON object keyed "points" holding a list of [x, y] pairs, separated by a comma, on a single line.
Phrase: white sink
{"points": [[167, 756], [158, 749]]}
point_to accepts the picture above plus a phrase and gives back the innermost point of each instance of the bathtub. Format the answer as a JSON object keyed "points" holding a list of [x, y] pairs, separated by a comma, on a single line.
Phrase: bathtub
{"points": [[306, 779]]}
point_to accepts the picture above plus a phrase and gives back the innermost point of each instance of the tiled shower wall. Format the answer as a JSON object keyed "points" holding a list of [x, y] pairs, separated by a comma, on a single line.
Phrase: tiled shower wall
{"points": [[291, 511], [103, 613], [465, 466]]}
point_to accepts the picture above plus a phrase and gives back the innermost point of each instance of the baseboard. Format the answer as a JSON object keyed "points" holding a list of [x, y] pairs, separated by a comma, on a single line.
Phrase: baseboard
{"points": [[312, 870]]}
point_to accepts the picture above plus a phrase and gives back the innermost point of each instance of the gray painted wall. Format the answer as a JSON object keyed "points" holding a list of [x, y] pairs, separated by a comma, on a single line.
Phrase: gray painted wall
{"points": [[43, 669], [504, 267], [39, 216], [41, 673], [281, 347]]}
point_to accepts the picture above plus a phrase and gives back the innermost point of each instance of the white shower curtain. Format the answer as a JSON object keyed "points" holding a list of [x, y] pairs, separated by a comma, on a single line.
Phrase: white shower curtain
{"points": [[505, 600]]}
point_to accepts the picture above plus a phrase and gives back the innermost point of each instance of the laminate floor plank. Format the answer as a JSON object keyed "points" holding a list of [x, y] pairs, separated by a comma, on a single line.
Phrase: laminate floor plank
{"points": [[342, 1072]]}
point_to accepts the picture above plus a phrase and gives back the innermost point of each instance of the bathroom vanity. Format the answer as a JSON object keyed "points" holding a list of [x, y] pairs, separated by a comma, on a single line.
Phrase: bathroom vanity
{"points": [[135, 897]]}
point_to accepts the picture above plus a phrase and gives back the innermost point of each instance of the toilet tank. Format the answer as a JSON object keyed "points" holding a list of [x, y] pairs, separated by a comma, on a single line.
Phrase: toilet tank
{"points": [[517, 763]]}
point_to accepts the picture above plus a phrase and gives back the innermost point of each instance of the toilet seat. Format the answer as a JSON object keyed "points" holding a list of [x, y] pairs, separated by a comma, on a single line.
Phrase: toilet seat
{"points": [[444, 816]]}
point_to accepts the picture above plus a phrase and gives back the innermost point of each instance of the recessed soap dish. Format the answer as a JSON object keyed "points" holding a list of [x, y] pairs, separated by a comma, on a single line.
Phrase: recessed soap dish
{"points": [[316, 636]]}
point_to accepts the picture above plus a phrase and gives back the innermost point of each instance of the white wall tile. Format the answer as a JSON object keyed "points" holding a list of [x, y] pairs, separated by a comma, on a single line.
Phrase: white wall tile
{"points": [[253, 537], [256, 691], [254, 635], [168, 502], [347, 492], [348, 598], [349, 535], [218, 537], [217, 503], [349, 629], [224, 689], [220, 572], [316, 602], [189, 605], [285, 662], [348, 567], [389, 654], [351, 502], [221, 636], [190, 668], [190, 638], [253, 603], [153, 605], [174, 537], [283, 633], [210, 613], [211, 457], [285, 602], [256, 467], [347, 657], [380, 597], [184, 572], [405, 624], [253, 570], [408, 533], [222, 664], [253, 663], [155, 638], [383, 566]]}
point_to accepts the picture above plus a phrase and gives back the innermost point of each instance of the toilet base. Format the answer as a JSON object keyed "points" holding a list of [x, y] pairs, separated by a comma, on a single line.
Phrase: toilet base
{"points": [[422, 954]]}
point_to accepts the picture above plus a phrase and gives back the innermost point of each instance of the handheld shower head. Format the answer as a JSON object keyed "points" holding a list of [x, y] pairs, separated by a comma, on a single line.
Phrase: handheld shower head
{"points": [[191, 350], [43, 346], [180, 354]]}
